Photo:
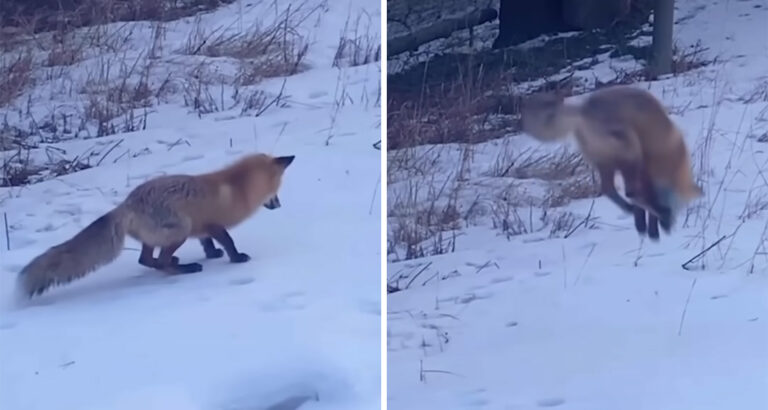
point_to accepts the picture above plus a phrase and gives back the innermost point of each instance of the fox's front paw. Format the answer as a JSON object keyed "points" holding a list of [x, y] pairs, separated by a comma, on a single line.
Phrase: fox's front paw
{"points": [[214, 253], [240, 258], [653, 231]]}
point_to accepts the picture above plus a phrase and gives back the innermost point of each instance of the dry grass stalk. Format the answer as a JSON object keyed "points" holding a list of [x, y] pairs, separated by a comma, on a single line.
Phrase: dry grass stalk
{"points": [[15, 76]]}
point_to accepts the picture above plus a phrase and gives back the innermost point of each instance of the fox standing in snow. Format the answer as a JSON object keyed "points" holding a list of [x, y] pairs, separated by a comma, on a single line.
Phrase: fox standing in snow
{"points": [[623, 129], [164, 212]]}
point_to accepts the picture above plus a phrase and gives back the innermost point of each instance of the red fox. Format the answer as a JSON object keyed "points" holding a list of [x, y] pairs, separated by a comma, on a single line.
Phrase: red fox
{"points": [[623, 129], [164, 212]]}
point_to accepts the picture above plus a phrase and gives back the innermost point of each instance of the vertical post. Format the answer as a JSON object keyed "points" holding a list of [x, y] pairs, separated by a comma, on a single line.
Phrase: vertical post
{"points": [[663, 22]]}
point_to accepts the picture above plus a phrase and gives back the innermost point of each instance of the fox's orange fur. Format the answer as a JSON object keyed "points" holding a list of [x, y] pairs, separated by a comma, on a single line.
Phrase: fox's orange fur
{"points": [[164, 212], [627, 130]]}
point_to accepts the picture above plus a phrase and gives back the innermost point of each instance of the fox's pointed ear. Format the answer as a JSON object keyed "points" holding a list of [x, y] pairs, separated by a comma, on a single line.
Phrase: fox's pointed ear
{"points": [[284, 161]]}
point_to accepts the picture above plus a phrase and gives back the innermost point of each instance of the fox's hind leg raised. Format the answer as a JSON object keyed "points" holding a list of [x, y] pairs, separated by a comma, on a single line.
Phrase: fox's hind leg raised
{"points": [[211, 251], [608, 188], [653, 227], [222, 236], [659, 213], [641, 191], [665, 200], [640, 224]]}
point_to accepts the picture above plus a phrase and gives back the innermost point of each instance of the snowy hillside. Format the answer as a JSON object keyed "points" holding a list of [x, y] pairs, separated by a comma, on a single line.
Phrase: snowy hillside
{"points": [[296, 327], [515, 288]]}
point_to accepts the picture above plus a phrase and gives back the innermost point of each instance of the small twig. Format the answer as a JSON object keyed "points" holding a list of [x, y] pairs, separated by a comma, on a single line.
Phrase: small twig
{"points": [[373, 197], [67, 364], [685, 309], [439, 335], [430, 278], [700, 254], [417, 274], [760, 244], [7, 232], [393, 276], [584, 222], [274, 101], [108, 151], [639, 252], [565, 267], [114, 161], [440, 372], [178, 142], [581, 270], [480, 268]]}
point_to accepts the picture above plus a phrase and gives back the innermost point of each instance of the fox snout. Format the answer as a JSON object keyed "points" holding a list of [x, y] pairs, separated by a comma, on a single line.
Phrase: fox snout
{"points": [[282, 162], [273, 203]]}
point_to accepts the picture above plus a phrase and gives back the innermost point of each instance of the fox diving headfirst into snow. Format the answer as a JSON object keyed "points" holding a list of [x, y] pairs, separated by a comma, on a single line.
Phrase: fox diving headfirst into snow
{"points": [[623, 129], [163, 213]]}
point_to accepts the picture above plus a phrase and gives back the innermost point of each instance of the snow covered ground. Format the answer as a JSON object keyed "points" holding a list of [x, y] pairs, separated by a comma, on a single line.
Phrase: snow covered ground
{"points": [[297, 326], [588, 316]]}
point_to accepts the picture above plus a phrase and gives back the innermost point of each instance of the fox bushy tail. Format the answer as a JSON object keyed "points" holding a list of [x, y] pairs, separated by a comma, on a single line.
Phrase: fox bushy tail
{"points": [[96, 245]]}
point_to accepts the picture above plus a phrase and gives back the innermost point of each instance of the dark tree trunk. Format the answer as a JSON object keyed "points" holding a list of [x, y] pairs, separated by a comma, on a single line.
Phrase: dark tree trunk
{"points": [[592, 14], [522, 20]]}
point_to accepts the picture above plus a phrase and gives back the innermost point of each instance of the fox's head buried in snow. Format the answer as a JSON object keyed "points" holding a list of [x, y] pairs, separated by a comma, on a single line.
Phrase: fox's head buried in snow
{"points": [[625, 130], [546, 117]]}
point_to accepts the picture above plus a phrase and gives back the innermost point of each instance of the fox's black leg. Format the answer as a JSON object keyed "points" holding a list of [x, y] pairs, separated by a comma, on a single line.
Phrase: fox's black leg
{"points": [[166, 264], [662, 214], [640, 219], [608, 189], [211, 251], [665, 218], [222, 236], [641, 190], [653, 227], [146, 258]]}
